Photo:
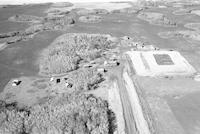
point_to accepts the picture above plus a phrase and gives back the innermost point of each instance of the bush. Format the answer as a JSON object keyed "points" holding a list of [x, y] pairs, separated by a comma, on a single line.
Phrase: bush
{"points": [[63, 63], [84, 79]]}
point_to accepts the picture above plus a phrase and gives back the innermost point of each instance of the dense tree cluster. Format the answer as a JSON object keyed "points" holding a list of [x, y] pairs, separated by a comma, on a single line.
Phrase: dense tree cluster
{"points": [[70, 114], [11, 119], [64, 54]]}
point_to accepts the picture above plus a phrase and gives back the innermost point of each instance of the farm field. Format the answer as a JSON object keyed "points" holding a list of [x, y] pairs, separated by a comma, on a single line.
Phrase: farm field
{"points": [[100, 68]]}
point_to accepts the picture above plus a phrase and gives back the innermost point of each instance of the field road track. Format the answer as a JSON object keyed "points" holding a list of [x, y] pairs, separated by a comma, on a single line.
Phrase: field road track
{"points": [[127, 110], [135, 120], [140, 121]]}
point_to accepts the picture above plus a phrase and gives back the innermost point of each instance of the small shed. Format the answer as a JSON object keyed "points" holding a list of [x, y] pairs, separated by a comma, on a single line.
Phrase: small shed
{"points": [[58, 80], [16, 82]]}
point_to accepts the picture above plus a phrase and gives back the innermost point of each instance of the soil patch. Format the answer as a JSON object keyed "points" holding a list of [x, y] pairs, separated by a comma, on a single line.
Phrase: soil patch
{"points": [[163, 59]]}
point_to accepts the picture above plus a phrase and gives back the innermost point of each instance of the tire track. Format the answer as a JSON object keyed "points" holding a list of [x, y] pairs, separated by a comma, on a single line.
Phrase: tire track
{"points": [[126, 105]]}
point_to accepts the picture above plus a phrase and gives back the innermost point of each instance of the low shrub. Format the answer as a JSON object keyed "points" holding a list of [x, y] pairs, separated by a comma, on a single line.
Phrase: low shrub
{"points": [[84, 79]]}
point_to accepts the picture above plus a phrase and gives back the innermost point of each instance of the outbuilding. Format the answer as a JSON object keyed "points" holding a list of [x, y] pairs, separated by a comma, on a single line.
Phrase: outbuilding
{"points": [[16, 82]]}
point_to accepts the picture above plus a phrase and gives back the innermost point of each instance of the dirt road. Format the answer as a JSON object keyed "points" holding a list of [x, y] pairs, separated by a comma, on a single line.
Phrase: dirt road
{"points": [[135, 120], [126, 105]]}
